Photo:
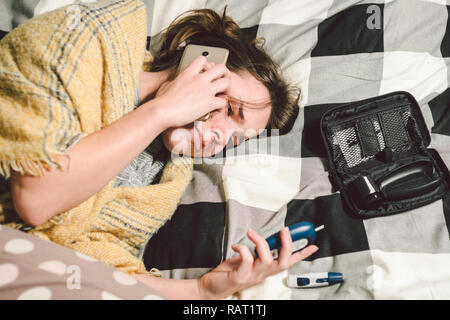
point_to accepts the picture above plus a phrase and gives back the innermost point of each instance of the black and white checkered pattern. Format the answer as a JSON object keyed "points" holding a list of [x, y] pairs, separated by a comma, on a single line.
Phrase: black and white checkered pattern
{"points": [[337, 51]]}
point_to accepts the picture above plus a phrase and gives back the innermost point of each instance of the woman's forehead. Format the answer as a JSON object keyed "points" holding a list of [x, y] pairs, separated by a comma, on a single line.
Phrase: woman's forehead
{"points": [[245, 87], [255, 100]]}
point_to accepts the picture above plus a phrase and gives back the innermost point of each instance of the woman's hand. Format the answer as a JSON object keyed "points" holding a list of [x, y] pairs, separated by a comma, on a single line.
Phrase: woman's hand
{"points": [[234, 274], [245, 270], [193, 93]]}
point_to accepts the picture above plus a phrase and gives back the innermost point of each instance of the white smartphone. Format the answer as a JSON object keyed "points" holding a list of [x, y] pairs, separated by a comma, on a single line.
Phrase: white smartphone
{"points": [[212, 54]]}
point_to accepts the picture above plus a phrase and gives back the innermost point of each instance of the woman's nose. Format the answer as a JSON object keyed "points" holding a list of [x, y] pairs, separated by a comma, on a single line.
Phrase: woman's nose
{"points": [[210, 136], [218, 129]]}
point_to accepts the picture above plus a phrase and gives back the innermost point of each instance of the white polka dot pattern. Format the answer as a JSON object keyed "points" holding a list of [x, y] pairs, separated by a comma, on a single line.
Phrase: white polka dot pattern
{"points": [[19, 246], [85, 257], [124, 278], [36, 293], [109, 296], [53, 266], [31, 268], [152, 297], [8, 273]]}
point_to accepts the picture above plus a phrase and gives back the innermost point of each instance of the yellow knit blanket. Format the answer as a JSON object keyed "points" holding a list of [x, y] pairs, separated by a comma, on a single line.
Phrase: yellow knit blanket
{"points": [[66, 74]]}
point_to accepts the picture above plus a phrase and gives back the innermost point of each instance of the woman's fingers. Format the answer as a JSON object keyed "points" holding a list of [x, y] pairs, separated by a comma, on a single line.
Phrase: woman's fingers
{"points": [[244, 270], [286, 259], [220, 85], [262, 247], [248, 271], [209, 70], [286, 248], [216, 72], [218, 103], [208, 66], [303, 254], [196, 66]]}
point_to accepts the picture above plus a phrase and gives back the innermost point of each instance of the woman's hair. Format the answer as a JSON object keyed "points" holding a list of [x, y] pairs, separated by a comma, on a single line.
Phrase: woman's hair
{"points": [[206, 27]]}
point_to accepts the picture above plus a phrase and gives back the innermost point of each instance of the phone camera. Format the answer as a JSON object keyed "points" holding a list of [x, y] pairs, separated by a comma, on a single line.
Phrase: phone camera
{"points": [[205, 53]]}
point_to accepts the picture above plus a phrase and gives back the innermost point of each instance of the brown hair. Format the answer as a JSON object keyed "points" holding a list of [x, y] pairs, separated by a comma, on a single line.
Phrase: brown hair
{"points": [[206, 27]]}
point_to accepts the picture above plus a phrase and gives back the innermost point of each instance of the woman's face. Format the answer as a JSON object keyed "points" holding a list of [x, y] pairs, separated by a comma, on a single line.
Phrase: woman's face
{"points": [[246, 116]]}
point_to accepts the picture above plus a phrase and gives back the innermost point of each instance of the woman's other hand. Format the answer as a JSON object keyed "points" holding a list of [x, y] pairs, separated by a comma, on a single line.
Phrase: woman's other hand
{"points": [[193, 93], [245, 270]]}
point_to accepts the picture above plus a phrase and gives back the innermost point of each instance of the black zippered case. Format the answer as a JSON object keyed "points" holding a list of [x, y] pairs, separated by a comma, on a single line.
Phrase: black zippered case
{"points": [[379, 158]]}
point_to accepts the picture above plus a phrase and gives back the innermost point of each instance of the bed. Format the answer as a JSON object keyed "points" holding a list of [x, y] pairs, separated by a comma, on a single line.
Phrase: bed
{"points": [[337, 52]]}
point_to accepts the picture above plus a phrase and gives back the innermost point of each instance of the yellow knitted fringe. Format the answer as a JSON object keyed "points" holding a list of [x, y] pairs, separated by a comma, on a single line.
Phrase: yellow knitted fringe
{"points": [[28, 166]]}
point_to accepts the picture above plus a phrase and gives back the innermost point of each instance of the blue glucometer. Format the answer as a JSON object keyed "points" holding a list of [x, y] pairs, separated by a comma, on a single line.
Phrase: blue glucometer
{"points": [[303, 234]]}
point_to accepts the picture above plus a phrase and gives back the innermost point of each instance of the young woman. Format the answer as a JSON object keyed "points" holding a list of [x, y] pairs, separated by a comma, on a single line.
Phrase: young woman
{"points": [[242, 98]]}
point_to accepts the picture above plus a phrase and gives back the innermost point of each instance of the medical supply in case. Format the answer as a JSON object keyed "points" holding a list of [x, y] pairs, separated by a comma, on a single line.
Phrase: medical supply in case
{"points": [[379, 158], [313, 280]]}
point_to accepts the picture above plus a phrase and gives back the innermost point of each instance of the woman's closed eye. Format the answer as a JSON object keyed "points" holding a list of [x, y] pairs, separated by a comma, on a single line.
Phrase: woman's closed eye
{"points": [[232, 108]]}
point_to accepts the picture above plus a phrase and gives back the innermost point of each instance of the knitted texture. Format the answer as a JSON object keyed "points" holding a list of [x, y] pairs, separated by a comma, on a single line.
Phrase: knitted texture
{"points": [[66, 74], [146, 168]]}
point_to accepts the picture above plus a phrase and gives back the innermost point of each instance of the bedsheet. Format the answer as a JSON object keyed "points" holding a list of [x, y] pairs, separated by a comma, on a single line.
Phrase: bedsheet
{"points": [[336, 52]]}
